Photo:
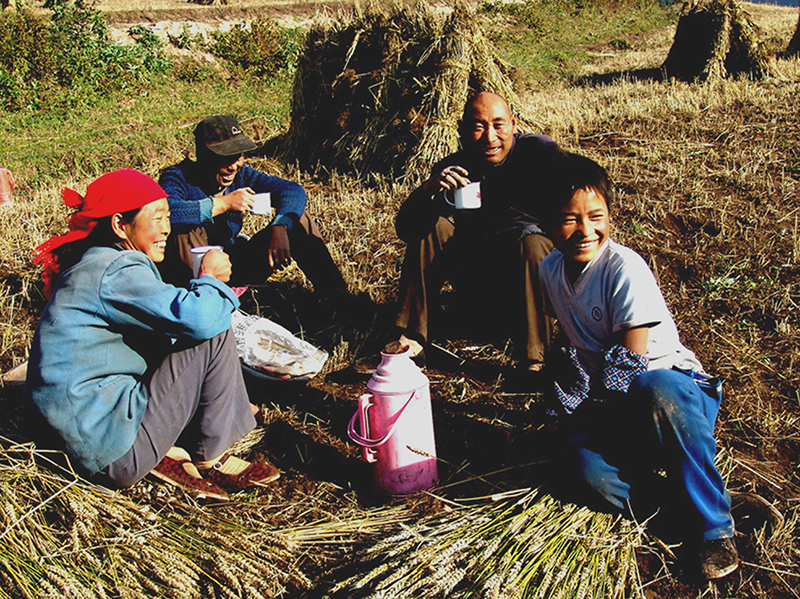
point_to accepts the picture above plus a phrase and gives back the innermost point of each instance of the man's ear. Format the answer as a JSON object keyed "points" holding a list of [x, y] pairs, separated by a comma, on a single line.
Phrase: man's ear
{"points": [[514, 123], [117, 225]]}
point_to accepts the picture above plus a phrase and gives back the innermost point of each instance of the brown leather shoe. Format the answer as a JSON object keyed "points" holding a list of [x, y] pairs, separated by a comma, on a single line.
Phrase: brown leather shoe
{"points": [[752, 512]]}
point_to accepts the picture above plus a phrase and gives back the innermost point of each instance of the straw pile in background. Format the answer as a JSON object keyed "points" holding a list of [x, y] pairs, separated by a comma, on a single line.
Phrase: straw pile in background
{"points": [[533, 546], [716, 39], [382, 92], [794, 44]]}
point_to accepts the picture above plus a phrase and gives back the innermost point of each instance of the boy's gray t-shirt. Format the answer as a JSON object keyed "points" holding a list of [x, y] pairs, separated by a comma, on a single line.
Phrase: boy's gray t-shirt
{"points": [[616, 291]]}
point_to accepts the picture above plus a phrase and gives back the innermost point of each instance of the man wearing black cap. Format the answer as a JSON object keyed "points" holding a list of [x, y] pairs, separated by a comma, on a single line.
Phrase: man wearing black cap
{"points": [[208, 198]]}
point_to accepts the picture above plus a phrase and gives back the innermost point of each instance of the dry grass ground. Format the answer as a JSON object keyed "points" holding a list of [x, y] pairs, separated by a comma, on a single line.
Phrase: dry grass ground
{"points": [[708, 176]]}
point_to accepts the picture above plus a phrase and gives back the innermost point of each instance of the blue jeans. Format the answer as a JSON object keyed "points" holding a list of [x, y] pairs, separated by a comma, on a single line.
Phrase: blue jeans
{"points": [[665, 423]]}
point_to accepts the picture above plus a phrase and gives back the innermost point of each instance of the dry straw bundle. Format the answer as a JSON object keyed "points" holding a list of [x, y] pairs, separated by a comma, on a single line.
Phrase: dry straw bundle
{"points": [[532, 547], [382, 92], [716, 39], [63, 537], [794, 44]]}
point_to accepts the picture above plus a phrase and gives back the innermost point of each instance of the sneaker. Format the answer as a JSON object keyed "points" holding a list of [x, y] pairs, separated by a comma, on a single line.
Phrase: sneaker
{"points": [[752, 512], [718, 558], [177, 473]]}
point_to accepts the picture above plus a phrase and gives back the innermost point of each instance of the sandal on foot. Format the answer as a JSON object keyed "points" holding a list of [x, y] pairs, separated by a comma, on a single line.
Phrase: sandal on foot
{"points": [[257, 474], [173, 472]]}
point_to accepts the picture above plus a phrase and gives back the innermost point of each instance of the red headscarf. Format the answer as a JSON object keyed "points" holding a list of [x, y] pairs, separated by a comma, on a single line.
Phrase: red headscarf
{"points": [[115, 192]]}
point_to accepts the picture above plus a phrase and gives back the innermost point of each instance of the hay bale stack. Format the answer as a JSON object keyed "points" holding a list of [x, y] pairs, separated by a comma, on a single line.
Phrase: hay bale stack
{"points": [[794, 44], [715, 39], [382, 92]]}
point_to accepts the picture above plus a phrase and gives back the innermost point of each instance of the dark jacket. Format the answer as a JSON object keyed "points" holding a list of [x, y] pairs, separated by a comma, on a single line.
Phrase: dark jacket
{"points": [[511, 194]]}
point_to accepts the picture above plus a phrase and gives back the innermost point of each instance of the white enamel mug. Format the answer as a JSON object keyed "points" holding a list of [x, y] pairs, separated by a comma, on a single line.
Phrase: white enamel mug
{"points": [[465, 198], [197, 256], [262, 203]]}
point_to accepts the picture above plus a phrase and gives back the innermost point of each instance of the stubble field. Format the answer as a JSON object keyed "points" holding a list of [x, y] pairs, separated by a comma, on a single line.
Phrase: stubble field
{"points": [[708, 178]]}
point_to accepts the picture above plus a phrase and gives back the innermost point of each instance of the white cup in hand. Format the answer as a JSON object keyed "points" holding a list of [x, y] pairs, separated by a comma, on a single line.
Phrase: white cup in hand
{"points": [[197, 256], [465, 198], [262, 203]]}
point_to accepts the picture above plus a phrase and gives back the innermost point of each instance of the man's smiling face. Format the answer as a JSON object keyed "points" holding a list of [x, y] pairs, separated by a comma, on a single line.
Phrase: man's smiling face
{"points": [[487, 128]]}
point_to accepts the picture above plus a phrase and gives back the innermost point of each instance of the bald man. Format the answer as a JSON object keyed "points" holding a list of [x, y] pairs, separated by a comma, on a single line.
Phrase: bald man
{"points": [[490, 254]]}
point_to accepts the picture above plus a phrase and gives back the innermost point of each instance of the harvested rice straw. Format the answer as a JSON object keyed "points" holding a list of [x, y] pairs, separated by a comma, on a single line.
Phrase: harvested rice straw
{"points": [[534, 546], [64, 536], [446, 100], [716, 39]]}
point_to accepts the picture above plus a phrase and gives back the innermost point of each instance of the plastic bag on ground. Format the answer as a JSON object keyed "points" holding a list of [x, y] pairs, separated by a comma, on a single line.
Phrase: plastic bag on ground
{"points": [[271, 349]]}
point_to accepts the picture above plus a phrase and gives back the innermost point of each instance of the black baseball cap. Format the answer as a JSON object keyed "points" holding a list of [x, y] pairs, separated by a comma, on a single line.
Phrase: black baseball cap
{"points": [[222, 135]]}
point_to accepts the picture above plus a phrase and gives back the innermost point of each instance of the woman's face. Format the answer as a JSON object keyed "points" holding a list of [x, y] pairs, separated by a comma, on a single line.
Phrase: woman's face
{"points": [[148, 231]]}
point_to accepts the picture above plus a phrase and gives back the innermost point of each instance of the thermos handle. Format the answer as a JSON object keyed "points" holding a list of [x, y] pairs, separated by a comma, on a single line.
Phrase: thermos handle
{"points": [[363, 439]]}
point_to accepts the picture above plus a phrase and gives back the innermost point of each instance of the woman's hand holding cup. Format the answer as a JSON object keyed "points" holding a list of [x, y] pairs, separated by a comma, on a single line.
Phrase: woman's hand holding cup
{"points": [[216, 264]]}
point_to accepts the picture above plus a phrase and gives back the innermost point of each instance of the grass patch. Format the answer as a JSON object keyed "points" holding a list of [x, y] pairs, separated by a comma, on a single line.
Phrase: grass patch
{"points": [[147, 129], [550, 39]]}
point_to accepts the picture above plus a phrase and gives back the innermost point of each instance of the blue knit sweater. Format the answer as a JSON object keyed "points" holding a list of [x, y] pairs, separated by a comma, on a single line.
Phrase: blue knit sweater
{"points": [[190, 187]]}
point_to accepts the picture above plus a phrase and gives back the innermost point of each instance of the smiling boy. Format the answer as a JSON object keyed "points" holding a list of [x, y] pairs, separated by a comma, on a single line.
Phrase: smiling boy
{"points": [[637, 402]]}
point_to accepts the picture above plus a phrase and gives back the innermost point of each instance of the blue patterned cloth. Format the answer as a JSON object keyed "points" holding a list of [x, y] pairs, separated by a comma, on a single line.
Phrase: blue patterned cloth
{"points": [[620, 367], [572, 384]]}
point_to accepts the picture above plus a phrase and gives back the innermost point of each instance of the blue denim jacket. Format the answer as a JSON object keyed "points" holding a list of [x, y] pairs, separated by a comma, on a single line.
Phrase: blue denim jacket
{"points": [[109, 323]]}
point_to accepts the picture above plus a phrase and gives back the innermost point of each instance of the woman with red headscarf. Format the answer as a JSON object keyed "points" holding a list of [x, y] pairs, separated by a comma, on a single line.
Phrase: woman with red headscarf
{"points": [[123, 364]]}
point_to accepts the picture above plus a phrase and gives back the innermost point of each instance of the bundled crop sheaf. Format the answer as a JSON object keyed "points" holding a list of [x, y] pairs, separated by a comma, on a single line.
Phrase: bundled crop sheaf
{"points": [[84, 541], [379, 92], [716, 39], [793, 49], [532, 547]]}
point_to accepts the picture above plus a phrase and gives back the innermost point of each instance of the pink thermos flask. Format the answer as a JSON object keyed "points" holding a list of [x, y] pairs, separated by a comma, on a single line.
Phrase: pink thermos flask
{"points": [[394, 425]]}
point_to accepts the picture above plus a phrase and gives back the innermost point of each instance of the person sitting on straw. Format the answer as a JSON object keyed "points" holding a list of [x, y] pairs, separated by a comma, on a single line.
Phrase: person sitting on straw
{"points": [[122, 364], [637, 402], [209, 197], [492, 253]]}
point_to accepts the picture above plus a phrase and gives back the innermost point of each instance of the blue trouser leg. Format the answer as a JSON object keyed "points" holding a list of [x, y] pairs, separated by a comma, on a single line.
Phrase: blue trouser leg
{"points": [[667, 420], [684, 415]]}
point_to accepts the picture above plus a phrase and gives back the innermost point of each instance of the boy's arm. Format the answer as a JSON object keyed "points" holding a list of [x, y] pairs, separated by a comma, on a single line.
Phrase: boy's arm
{"points": [[635, 339]]}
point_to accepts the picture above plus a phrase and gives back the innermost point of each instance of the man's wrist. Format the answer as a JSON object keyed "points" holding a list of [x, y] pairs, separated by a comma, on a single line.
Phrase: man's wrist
{"points": [[283, 220]]}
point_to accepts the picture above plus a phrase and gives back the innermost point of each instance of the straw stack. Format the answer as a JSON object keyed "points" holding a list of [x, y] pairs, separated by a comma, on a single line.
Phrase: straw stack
{"points": [[794, 44], [524, 544], [380, 91], [716, 39]]}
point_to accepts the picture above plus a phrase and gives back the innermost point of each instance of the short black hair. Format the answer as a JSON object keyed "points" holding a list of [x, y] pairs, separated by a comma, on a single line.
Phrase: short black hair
{"points": [[570, 173]]}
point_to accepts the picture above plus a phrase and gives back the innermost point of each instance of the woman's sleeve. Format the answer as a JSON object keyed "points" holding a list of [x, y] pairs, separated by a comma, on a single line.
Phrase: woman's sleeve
{"points": [[133, 294]]}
